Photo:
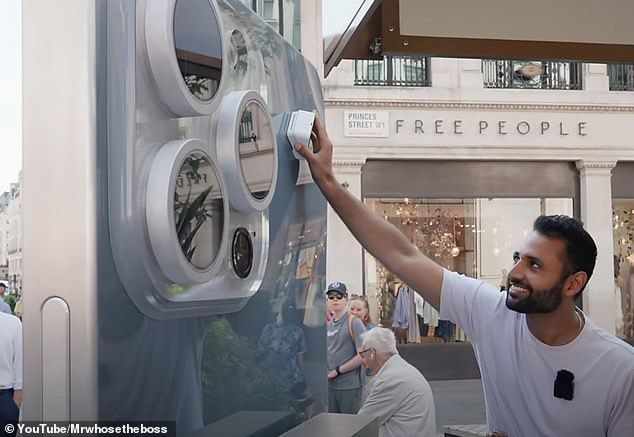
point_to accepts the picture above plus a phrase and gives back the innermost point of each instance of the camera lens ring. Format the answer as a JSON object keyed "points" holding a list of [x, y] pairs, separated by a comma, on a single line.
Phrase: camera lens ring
{"points": [[242, 253]]}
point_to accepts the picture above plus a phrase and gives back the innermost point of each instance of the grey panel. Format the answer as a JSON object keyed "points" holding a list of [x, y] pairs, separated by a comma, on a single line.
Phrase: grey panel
{"points": [[623, 181], [344, 425], [250, 424], [459, 179], [59, 255]]}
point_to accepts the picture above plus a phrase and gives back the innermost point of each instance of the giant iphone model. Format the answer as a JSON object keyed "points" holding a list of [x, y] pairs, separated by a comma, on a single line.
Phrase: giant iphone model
{"points": [[198, 224]]}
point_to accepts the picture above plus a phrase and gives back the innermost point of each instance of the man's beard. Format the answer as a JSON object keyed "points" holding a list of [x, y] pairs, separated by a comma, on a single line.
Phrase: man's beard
{"points": [[537, 301]]}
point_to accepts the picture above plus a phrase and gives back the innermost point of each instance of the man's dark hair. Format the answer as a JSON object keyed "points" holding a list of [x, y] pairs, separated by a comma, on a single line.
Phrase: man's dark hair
{"points": [[2, 285], [291, 315], [581, 250]]}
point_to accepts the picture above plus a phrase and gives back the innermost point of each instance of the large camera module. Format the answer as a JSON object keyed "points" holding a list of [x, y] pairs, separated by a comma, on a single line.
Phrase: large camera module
{"points": [[193, 156]]}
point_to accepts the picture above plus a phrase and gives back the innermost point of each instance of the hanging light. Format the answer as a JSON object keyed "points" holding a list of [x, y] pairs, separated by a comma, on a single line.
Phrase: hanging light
{"points": [[455, 250]]}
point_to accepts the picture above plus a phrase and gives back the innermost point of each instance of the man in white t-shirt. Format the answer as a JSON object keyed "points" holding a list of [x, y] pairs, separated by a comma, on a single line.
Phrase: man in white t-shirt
{"points": [[10, 371], [547, 370]]}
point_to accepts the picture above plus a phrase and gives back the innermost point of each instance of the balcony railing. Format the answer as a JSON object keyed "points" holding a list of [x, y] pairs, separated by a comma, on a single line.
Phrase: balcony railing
{"points": [[409, 71], [531, 74], [621, 77]]}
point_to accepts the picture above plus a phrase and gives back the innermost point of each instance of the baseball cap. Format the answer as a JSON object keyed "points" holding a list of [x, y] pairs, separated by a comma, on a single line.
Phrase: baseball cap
{"points": [[339, 287]]}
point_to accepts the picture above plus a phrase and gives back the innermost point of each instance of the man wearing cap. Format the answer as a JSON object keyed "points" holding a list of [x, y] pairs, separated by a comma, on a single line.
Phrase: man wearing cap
{"points": [[344, 337]]}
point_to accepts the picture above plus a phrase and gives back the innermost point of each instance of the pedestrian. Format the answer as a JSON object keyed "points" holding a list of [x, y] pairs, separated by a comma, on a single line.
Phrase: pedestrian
{"points": [[17, 310], [344, 364], [10, 372], [4, 307], [546, 368], [503, 279], [282, 346], [400, 395], [359, 308]]}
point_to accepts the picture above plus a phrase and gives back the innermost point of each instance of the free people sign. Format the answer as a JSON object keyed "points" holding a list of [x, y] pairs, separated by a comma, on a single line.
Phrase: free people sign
{"points": [[487, 126], [376, 124]]}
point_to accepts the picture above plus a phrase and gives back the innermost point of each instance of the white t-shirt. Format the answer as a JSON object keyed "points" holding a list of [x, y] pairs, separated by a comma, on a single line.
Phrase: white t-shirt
{"points": [[518, 371], [10, 352]]}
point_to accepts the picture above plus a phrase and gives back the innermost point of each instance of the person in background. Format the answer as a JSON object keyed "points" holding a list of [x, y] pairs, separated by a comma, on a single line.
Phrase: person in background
{"points": [[283, 345], [359, 308], [17, 311], [503, 279], [4, 307], [344, 365], [10, 371], [546, 368], [400, 395]]}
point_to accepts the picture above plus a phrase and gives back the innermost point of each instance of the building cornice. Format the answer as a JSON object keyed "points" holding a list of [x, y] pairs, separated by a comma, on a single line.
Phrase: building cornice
{"points": [[581, 165], [404, 104], [348, 162]]}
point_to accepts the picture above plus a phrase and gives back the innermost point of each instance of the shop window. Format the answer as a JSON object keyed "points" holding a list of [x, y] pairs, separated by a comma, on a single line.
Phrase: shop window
{"points": [[251, 3], [531, 74], [281, 15], [269, 10], [623, 241], [291, 22], [393, 71], [472, 236], [621, 77]]}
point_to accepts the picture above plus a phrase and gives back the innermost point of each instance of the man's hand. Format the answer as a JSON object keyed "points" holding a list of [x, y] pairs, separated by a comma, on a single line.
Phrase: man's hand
{"points": [[320, 159], [17, 397]]}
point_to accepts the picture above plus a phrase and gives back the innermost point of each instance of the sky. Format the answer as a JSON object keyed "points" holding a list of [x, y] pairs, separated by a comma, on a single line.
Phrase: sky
{"points": [[336, 15], [10, 93]]}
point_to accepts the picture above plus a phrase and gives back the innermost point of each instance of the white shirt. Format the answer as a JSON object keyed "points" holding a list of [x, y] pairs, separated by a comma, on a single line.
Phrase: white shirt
{"points": [[4, 307], [10, 352], [518, 371]]}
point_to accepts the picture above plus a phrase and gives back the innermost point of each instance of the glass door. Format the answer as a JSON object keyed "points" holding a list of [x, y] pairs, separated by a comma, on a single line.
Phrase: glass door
{"points": [[472, 236]]}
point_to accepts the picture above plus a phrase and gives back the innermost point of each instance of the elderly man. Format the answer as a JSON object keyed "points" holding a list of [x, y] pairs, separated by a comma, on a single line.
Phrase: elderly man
{"points": [[400, 396]]}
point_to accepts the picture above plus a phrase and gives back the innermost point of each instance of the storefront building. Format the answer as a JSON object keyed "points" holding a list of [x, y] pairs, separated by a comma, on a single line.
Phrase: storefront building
{"points": [[463, 154]]}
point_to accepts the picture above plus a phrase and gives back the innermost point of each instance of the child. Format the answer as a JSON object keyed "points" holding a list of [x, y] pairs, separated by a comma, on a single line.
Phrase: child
{"points": [[358, 307]]}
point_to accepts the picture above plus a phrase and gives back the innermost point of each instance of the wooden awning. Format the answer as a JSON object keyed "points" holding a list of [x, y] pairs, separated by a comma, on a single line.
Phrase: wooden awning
{"points": [[566, 30]]}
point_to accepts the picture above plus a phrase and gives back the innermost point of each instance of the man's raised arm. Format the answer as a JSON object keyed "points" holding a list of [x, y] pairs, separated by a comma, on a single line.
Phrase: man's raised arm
{"points": [[382, 239]]}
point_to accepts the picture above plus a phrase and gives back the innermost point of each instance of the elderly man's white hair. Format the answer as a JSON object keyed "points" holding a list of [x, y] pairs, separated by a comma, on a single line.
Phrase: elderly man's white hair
{"points": [[382, 340]]}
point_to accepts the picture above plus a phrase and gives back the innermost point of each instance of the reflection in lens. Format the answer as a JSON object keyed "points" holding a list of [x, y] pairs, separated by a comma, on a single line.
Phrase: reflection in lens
{"points": [[240, 61], [242, 253], [198, 210], [198, 47], [256, 150]]}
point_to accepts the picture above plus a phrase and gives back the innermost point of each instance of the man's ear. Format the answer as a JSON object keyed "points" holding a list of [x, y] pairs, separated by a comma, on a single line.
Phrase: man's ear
{"points": [[575, 283]]}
